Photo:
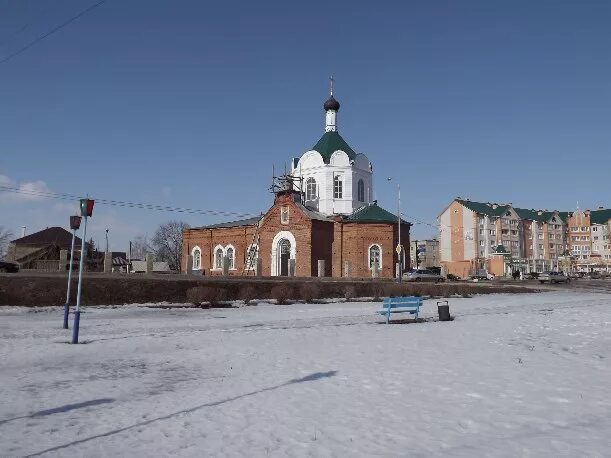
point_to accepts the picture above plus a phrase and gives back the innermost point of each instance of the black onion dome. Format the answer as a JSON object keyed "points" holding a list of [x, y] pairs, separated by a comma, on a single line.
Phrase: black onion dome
{"points": [[331, 104]]}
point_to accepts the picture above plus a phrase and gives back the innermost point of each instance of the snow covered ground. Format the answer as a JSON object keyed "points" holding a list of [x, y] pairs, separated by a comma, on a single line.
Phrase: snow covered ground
{"points": [[512, 375]]}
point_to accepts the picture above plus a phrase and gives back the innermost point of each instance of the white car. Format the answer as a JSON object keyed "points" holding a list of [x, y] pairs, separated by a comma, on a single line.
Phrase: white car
{"points": [[423, 275], [554, 277]]}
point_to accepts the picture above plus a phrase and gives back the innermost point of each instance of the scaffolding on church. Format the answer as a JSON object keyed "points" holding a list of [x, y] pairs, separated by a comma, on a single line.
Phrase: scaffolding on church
{"points": [[287, 183], [282, 183]]}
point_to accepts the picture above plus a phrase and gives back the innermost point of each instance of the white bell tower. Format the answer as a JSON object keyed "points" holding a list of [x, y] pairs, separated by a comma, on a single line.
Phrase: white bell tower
{"points": [[331, 109], [336, 179]]}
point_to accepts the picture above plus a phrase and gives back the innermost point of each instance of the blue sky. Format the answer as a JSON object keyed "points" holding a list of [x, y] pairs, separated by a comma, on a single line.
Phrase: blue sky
{"points": [[189, 103]]}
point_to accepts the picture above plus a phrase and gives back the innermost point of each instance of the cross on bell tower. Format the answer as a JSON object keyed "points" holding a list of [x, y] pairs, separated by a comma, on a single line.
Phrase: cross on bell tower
{"points": [[331, 107]]}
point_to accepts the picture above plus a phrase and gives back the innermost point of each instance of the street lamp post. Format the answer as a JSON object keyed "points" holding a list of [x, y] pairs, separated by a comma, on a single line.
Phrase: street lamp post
{"points": [[399, 247], [75, 223], [86, 212]]}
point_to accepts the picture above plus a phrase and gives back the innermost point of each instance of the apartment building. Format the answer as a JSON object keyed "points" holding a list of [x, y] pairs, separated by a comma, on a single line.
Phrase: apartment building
{"points": [[472, 234], [589, 237], [427, 252]]}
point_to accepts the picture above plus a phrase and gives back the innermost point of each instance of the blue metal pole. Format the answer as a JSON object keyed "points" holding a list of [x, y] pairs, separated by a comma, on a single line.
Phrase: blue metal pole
{"points": [[67, 304], [77, 312]]}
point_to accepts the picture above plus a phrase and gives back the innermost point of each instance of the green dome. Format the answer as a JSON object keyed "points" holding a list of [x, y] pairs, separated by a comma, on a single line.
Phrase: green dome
{"points": [[331, 142]]}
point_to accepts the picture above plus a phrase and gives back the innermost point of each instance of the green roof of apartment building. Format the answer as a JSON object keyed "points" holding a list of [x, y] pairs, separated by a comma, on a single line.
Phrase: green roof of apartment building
{"points": [[482, 208], [600, 216], [525, 213]]}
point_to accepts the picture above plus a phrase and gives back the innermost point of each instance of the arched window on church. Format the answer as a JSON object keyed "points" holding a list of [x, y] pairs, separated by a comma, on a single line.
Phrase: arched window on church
{"points": [[197, 258], [337, 187], [310, 189], [218, 258], [231, 255], [361, 191], [375, 256]]}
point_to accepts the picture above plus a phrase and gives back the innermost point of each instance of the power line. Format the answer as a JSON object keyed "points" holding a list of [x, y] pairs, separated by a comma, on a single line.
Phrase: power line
{"points": [[52, 31], [120, 203], [157, 207], [25, 26]]}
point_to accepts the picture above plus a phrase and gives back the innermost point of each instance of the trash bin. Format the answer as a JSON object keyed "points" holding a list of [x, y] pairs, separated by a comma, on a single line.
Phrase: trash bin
{"points": [[443, 308]]}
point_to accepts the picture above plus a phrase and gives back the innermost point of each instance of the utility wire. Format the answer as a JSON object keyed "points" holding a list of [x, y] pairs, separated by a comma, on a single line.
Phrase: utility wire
{"points": [[157, 207], [52, 31], [25, 26], [120, 203]]}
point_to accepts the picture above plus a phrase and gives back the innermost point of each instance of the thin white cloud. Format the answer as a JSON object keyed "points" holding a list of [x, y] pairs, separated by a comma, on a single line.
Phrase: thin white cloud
{"points": [[27, 191]]}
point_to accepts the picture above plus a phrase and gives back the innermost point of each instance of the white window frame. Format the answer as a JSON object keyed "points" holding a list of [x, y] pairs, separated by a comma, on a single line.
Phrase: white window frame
{"points": [[311, 189], [285, 214], [197, 266], [338, 187], [215, 257], [369, 265], [232, 265]]}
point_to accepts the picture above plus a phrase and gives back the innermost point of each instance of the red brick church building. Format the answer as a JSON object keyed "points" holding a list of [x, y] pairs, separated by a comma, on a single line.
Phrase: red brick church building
{"points": [[322, 211]]}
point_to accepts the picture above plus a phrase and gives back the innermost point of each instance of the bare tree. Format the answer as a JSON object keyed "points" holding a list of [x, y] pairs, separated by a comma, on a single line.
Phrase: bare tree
{"points": [[5, 237], [167, 243], [141, 246]]}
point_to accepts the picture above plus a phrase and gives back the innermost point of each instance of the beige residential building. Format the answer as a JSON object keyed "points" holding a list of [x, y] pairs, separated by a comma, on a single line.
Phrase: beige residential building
{"points": [[588, 238], [428, 253], [473, 234]]}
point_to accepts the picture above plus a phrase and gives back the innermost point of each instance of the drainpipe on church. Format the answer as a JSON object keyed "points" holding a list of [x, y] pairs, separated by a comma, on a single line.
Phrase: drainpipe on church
{"points": [[341, 250]]}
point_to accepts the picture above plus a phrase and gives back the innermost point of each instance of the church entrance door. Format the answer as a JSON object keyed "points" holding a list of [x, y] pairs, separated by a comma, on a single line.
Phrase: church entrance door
{"points": [[285, 254]]}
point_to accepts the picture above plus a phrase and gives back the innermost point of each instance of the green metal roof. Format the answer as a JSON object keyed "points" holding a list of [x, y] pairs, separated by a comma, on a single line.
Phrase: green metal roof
{"points": [[484, 209], [331, 142], [524, 213], [532, 215], [372, 214], [500, 249], [596, 216], [600, 216]]}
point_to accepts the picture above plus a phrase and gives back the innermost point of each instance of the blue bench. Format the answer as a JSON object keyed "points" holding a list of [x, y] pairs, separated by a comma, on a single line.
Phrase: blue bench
{"points": [[407, 304]]}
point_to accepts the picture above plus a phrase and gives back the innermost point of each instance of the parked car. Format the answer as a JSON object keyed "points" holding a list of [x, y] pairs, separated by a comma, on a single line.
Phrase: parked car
{"points": [[594, 275], [532, 275], [553, 277], [11, 267], [452, 277], [423, 275], [486, 276]]}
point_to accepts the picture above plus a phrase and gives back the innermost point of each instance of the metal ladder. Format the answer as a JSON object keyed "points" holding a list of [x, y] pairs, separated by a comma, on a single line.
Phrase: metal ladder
{"points": [[253, 250]]}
